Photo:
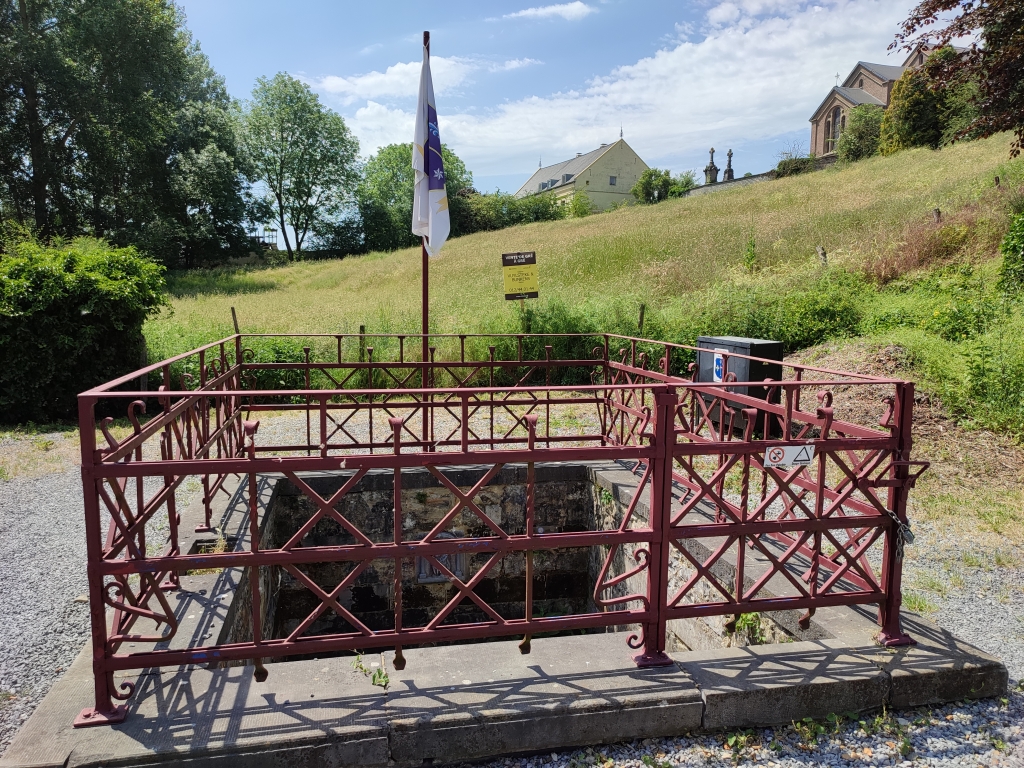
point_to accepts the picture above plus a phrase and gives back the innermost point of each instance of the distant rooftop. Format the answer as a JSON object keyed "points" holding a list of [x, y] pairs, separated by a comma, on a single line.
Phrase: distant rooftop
{"points": [[559, 174]]}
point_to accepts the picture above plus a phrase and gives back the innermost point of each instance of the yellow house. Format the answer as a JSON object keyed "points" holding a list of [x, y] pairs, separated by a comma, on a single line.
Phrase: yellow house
{"points": [[606, 174]]}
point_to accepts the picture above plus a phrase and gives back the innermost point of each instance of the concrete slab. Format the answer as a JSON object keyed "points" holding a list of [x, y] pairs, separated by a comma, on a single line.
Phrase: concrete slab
{"points": [[569, 691], [940, 668], [319, 712], [776, 684]]}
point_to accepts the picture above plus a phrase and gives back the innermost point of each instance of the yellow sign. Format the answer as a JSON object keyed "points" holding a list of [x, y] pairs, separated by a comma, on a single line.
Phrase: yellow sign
{"points": [[520, 272]]}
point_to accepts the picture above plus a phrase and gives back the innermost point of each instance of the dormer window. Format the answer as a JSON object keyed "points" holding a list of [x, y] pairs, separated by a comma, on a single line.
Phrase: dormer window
{"points": [[566, 177]]}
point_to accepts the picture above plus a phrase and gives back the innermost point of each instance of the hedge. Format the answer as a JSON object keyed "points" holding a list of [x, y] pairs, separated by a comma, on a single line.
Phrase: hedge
{"points": [[70, 318]]}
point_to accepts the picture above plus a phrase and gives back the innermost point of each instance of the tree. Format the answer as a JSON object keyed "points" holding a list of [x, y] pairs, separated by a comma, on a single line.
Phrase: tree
{"points": [[912, 118], [106, 107], [302, 152], [860, 139], [580, 204], [652, 186], [384, 197], [200, 203], [683, 183], [995, 67]]}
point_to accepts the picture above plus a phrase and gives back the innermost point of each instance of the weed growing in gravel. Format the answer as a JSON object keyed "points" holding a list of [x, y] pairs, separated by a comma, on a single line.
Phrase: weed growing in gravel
{"points": [[956, 579], [737, 744], [971, 560], [590, 759], [918, 603], [1006, 559], [932, 584], [809, 731]]}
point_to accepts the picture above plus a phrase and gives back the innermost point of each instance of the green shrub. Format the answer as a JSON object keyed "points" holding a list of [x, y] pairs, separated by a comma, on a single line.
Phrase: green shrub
{"points": [[828, 308], [684, 182], [70, 318], [793, 166], [860, 139], [1011, 271], [912, 119], [580, 204], [653, 186]]}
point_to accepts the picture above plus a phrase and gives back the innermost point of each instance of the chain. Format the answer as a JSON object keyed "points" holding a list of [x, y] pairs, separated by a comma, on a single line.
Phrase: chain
{"points": [[903, 534]]}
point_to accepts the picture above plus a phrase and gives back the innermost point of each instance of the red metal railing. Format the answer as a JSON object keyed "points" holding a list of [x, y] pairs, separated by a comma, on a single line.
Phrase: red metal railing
{"points": [[834, 530]]}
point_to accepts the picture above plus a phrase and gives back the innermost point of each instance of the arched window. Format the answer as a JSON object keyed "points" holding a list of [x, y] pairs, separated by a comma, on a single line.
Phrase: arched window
{"points": [[833, 127], [861, 83]]}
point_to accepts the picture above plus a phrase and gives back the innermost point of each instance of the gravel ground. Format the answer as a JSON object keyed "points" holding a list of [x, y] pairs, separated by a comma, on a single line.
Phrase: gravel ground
{"points": [[42, 572], [980, 603]]}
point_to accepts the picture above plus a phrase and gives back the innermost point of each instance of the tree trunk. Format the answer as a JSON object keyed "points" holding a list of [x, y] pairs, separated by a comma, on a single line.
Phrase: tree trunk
{"points": [[284, 231], [37, 144]]}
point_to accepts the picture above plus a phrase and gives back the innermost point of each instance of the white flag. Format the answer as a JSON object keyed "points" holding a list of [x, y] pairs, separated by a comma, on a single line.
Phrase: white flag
{"points": [[430, 200]]}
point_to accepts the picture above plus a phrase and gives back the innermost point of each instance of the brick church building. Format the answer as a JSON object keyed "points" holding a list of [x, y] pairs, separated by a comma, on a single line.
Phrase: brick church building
{"points": [[866, 84]]}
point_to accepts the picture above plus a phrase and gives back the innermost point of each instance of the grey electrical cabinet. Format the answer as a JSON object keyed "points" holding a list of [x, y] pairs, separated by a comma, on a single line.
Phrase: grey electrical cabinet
{"points": [[715, 365]]}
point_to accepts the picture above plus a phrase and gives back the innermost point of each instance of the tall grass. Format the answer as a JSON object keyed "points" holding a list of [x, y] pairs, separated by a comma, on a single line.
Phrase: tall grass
{"points": [[682, 258]]}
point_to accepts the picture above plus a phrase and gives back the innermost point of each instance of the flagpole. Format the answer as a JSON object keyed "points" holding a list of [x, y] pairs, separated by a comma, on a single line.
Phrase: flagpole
{"points": [[425, 280]]}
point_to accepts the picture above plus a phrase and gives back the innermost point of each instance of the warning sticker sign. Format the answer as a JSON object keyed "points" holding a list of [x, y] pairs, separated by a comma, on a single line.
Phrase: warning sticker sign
{"points": [[789, 456], [520, 273]]}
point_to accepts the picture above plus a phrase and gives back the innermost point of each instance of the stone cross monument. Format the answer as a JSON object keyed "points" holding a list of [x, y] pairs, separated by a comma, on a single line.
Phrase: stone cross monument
{"points": [[728, 175], [711, 170]]}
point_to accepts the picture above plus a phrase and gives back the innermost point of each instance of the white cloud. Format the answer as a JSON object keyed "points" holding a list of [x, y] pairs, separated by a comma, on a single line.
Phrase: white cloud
{"points": [[399, 80], [513, 64], [723, 13], [568, 11], [748, 80]]}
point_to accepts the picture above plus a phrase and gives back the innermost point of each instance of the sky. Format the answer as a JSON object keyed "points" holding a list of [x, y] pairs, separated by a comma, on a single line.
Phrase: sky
{"points": [[518, 83]]}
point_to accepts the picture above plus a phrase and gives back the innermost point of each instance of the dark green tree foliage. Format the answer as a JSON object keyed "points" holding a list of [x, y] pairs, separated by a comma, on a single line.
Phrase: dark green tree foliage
{"points": [[794, 166], [652, 186], [112, 123], [384, 197], [500, 209], [1011, 272], [580, 205], [683, 183], [302, 153], [992, 71], [70, 318], [860, 139], [912, 118]]}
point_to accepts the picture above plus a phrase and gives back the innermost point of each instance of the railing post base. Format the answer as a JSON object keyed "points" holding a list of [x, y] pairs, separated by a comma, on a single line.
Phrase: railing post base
{"points": [[895, 639], [655, 659], [91, 716]]}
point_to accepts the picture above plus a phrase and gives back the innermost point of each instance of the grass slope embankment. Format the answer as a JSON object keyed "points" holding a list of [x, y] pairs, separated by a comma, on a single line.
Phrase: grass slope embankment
{"points": [[666, 255]]}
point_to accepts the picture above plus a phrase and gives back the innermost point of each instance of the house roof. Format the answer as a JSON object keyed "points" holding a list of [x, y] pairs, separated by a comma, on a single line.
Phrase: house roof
{"points": [[853, 96], [573, 166], [887, 72]]}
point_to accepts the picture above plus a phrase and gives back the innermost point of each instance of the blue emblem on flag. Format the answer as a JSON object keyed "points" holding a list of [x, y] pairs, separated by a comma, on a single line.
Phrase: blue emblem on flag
{"points": [[719, 368], [433, 159]]}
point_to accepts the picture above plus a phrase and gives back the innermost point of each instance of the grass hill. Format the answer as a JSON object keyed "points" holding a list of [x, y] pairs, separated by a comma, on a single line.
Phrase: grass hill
{"points": [[658, 254]]}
